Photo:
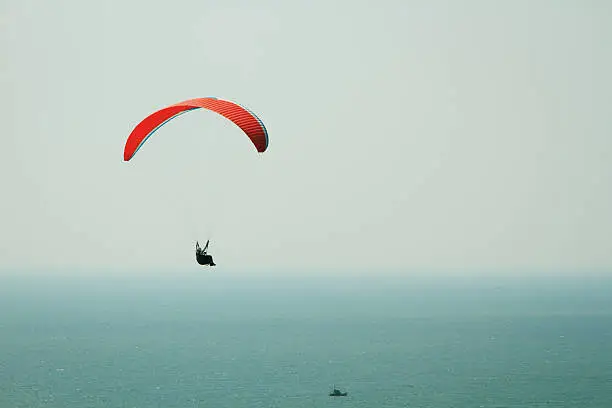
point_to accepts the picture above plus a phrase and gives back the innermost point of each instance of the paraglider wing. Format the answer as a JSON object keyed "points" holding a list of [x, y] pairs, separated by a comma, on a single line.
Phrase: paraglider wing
{"points": [[246, 120]]}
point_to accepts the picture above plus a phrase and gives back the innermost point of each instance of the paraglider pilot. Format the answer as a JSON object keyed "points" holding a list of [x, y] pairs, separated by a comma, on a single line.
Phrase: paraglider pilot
{"points": [[202, 257]]}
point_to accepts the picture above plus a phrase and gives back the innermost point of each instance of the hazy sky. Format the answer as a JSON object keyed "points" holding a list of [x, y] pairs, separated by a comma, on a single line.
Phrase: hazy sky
{"points": [[404, 135]]}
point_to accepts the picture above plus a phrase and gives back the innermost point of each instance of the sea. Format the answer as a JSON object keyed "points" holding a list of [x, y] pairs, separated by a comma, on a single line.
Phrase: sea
{"points": [[217, 339]]}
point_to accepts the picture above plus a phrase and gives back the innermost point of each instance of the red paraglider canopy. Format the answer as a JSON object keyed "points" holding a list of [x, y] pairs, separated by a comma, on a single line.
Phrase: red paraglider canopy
{"points": [[246, 120]]}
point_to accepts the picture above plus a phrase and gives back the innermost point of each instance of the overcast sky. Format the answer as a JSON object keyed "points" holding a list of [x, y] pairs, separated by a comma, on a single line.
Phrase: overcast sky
{"points": [[404, 135]]}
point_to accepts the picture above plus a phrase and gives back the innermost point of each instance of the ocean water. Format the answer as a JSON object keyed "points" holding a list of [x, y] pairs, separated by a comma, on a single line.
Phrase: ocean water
{"points": [[226, 341]]}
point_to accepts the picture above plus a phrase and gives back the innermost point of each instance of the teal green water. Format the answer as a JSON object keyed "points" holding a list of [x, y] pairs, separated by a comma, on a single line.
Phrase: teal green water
{"points": [[218, 341]]}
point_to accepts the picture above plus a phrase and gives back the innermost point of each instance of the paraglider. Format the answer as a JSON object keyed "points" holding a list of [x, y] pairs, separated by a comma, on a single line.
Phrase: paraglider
{"points": [[250, 124], [246, 120], [202, 257]]}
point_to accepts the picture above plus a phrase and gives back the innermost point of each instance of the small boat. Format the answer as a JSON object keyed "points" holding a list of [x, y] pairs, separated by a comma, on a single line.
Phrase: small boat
{"points": [[337, 393]]}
